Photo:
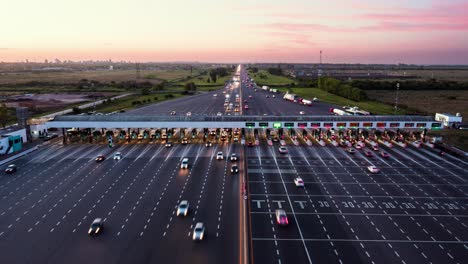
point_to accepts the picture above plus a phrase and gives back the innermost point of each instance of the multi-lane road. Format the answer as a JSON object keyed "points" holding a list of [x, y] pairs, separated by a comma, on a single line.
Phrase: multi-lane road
{"points": [[47, 206], [413, 211]]}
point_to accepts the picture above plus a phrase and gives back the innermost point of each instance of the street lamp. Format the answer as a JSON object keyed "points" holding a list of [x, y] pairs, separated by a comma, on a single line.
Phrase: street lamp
{"points": [[396, 97]]}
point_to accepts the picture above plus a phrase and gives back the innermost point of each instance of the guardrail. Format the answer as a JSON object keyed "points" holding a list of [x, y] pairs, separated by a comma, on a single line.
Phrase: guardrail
{"points": [[18, 155]]}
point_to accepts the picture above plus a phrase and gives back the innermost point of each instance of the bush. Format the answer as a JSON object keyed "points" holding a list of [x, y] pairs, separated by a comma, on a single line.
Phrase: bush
{"points": [[155, 98], [76, 110], [169, 96]]}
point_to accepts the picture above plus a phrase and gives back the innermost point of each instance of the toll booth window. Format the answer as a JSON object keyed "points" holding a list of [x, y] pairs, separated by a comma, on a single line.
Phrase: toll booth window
{"points": [[421, 125], [340, 124], [353, 124], [263, 124], [249, 124], [328, 124], [302, 124], [434, 125], [367, 124], [288, 124], [394, 124], [382, 124], [315, 125], [409, 124]]}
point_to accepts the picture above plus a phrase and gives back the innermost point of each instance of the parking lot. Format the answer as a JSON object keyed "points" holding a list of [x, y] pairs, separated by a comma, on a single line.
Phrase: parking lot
{"points": [[413, 211]]}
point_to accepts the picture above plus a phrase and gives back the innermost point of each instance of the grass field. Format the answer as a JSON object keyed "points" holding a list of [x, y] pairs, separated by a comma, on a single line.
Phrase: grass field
{"points": [[454, 137], [265, 78], [169, 75], [126, 102], [371, 106], [202, 80], [101, 75], [428, 102]]}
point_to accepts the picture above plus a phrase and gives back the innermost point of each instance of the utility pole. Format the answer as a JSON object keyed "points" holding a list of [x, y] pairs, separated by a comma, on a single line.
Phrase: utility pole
{"points": [[319, 72], [137, 71], [396, 97]]}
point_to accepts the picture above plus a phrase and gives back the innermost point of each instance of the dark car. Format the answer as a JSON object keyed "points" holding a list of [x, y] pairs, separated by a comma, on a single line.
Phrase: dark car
{"points": [[10, 169], [100, 158], [234, 169], [96, 226], [250, 144], [384, 154], [49, 137]]}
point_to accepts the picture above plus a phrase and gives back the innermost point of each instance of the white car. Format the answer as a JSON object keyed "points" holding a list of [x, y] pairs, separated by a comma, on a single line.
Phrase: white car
{"points": [[302, 113], [283, 150], [315, 99], [117, 156], [183, 208], [219, 156], [215, 95], [188, 113], [184, 164], [233, 157], [168, 144], [198, 231], [373, 169], [299, 182], [219, 114]]}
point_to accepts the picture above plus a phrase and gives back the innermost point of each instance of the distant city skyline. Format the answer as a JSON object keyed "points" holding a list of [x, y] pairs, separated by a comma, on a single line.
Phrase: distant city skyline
{"points": [[409, 32]]}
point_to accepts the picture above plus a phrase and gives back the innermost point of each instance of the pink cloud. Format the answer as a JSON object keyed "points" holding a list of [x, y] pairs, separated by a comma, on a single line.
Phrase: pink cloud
{"points": [[441, 16]]}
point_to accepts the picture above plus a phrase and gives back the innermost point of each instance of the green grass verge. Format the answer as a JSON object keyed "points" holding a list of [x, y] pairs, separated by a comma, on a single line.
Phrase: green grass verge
{"points": [[126, 102], [265, 78], [170, 75], [454, 137], [371, 106], [202, 80]]}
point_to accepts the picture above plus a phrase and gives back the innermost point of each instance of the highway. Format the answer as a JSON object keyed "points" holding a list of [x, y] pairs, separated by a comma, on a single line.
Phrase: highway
{"points": [[48, 205], [413, 211]]}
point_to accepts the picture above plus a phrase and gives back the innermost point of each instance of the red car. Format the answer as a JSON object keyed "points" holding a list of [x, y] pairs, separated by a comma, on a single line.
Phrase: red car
{"points": [[281, 217], [375, 148], [250, 144]]}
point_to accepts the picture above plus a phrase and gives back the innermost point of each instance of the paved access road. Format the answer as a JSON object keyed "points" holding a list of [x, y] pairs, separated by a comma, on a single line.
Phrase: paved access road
{"points": [[47, 206], [413, 211], [259, 104]]}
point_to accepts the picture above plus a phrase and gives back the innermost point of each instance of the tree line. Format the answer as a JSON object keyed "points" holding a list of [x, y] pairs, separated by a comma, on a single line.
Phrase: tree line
{"points": [[410, 85], [334, 86]]}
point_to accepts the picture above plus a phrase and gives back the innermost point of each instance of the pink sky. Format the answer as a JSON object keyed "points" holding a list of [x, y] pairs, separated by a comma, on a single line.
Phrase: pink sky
{"points": [[419, 31]]}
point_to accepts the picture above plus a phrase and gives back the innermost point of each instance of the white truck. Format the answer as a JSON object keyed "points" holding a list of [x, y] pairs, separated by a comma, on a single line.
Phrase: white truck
{"points": [[265, 88], [290, 97], [356, 111], [306, 102], [273, 90], [339, 112]]}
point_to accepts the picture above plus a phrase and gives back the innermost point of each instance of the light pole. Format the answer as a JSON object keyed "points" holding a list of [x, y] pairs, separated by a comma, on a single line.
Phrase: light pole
{"points": [[396, 97]]}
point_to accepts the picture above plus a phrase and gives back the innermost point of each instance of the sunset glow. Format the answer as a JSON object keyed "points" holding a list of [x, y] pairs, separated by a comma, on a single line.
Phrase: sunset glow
{"points": [[422, 32]]}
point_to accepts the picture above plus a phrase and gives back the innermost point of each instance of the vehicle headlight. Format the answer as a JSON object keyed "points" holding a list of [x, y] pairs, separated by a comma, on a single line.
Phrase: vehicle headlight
{"points": [[97, 230], [90, 230]]}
